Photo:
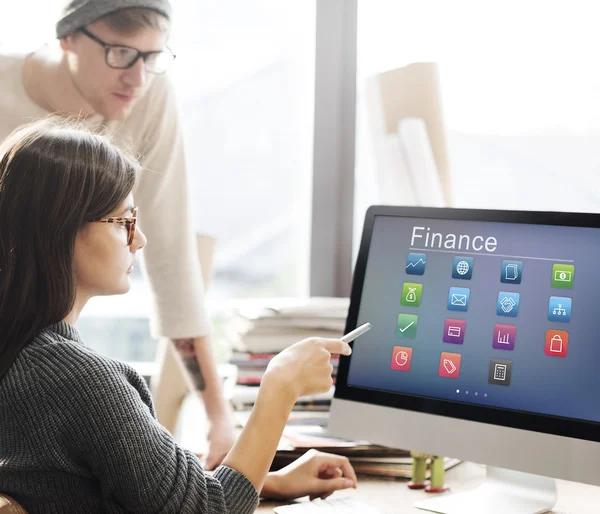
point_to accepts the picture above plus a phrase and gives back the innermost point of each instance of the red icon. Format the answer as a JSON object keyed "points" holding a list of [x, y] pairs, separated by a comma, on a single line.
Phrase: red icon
{"points": [[401, 358], [557, 343], [449, 365]]}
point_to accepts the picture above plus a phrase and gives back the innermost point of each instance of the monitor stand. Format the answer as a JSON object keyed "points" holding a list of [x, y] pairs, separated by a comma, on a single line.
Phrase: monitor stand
{"points": [[502, 491]]}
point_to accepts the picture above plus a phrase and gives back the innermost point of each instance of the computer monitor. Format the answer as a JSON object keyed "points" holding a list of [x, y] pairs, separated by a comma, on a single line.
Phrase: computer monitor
{"points": [[485, 346]]}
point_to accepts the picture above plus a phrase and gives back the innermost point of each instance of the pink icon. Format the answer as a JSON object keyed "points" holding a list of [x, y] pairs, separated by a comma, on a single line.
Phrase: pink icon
{"points": [[454, 331], [401, 357], [504, 337], [449, 365]]}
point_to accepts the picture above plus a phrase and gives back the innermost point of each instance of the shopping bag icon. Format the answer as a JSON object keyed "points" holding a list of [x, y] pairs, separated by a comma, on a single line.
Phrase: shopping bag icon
{"points": [[556, 344]]}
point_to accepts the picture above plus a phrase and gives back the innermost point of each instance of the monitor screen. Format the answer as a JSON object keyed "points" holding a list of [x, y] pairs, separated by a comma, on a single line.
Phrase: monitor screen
{"points": [[481, 309]]}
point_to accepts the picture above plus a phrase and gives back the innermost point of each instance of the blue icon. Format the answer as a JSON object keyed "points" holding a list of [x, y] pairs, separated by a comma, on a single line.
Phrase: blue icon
{"points": [[511, 272], [458, 299], [508, 304], [462, 268], [415, 264], [559, 309]]}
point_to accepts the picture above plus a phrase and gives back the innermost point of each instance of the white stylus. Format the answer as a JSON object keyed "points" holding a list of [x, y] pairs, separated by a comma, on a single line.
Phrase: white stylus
{"points": [[358, 331]]}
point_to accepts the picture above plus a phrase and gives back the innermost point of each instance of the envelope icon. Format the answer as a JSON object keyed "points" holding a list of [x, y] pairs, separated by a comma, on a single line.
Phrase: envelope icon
{"points": [[459, 299]]}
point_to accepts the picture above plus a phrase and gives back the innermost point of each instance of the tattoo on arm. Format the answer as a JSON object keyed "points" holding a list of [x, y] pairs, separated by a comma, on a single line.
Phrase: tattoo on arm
{"points": [[187, 351]]}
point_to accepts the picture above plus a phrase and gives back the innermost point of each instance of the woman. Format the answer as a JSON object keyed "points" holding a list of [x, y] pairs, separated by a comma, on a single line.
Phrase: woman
{"points": [[77, 430]]}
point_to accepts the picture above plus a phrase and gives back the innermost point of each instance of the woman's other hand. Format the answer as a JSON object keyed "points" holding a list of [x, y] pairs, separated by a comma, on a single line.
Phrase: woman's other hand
{"points": [[315, 474]]}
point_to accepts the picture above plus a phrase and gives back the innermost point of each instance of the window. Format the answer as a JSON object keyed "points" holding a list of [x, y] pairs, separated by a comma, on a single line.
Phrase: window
{"points": [[520, 97], [20, 31], [245, 78]]}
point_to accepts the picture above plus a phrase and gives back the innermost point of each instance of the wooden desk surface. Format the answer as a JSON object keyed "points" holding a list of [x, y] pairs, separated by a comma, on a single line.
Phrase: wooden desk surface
{"points": [[393, 497]]}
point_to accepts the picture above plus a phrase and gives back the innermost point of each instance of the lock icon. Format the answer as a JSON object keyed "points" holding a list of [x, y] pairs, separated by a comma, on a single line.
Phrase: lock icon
{"points": [[556, 344]]}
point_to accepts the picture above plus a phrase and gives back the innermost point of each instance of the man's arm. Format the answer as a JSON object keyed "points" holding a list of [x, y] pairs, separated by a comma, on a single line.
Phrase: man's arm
{"points": [[200, 364], [187, 351], [170, 257]]}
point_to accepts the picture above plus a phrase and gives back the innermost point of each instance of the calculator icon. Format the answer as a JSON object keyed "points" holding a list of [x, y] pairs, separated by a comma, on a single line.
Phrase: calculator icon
{"points": [[500, 372]]}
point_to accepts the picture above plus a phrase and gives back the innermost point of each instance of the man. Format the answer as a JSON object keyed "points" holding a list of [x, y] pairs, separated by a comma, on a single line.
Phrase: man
{"points": [[108, 67]]}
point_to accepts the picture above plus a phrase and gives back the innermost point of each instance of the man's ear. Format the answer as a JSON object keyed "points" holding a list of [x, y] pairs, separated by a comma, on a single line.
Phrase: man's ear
{"points": [[66, 43]]}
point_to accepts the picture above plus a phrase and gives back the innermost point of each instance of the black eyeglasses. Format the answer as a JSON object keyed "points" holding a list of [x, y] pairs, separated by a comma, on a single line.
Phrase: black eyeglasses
{"points": [[124, 57]]}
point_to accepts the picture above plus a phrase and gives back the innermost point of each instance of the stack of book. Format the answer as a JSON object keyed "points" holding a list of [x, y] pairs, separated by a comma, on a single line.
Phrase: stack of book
{"points": [[244, 397], [259, 333], [251, 366]]}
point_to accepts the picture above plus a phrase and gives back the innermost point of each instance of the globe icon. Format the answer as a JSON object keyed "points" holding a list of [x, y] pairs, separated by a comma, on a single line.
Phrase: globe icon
{"points": [[462, 268]]}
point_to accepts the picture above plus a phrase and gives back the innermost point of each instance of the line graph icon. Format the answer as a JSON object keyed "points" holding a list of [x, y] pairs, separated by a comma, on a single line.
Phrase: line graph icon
{"points": [[415, 263]]}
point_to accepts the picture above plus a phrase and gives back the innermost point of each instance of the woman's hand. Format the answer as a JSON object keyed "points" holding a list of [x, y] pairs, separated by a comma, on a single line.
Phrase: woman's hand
{"points": [[315, 474], [305, 367]]}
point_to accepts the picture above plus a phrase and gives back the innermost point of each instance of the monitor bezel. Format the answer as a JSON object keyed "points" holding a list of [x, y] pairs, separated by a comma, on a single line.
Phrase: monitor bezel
{"points": [[548, 424]]}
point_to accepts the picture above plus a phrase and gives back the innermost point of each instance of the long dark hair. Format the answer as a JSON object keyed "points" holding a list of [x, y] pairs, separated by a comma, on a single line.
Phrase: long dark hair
{"points": [[54, 178]]}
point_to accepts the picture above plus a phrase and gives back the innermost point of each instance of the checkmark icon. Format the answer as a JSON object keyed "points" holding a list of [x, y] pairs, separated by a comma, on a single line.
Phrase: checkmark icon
{"points": [[407, 326]]}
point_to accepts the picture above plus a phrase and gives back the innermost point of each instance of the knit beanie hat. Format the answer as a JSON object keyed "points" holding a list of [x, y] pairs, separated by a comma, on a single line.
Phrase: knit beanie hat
{"points": [[78, 13]]}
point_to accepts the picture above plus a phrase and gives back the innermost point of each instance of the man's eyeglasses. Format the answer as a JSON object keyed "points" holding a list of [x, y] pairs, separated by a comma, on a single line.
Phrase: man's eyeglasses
{"points": [[130, 223], [124, 57]]}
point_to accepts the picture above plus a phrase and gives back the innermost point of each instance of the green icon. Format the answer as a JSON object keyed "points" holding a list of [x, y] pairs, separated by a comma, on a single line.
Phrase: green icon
{"points": [[411, 294], [407, 326], [563, 275]]}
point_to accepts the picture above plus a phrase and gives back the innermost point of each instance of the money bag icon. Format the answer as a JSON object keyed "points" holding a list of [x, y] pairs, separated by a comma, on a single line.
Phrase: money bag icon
{"points": [[411, 296]]}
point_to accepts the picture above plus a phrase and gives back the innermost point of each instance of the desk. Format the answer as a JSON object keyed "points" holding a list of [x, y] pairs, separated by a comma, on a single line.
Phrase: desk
{"points": [[393, 497]]}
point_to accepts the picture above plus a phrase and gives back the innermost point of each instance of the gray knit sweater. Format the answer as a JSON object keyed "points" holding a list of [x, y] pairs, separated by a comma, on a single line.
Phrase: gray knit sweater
{"points": [[78, 434]]}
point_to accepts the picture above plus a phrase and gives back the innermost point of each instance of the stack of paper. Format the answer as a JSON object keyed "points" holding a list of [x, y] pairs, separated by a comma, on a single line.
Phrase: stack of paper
{"points": [[273, 327]]}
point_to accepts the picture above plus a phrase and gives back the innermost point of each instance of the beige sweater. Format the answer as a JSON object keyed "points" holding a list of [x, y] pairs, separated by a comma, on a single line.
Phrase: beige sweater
{"points": [[154, 135]]}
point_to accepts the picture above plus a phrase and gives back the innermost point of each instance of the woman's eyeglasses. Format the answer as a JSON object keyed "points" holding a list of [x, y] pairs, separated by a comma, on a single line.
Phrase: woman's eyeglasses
{"points": [[124, 57], [130, 223]]}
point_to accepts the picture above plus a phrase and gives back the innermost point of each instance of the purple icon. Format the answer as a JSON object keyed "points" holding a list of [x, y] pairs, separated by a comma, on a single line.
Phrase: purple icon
{"points": [[504, 337], [454, 331]]}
